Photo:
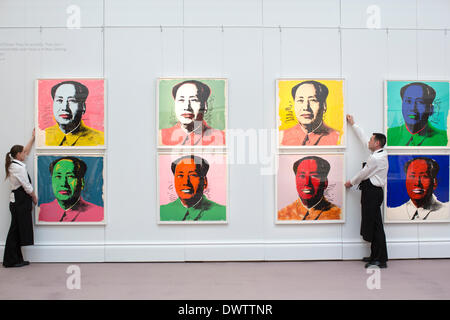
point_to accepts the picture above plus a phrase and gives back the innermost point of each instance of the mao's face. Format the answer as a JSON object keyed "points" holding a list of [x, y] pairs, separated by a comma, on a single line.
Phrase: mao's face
{"points": [[67, 110], [188, 107], [307, 107], [66, 186], [189, 184], [309, 182], [414, 109], [419, 184]]}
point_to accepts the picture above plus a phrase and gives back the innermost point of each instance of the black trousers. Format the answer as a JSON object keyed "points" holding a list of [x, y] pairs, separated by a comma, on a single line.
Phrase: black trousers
{"points": [[13, 252], [372, 229], [21, 230]]}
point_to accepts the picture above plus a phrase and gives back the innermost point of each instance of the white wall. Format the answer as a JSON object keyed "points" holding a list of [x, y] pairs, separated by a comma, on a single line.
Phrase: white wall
{"points": [[252, 43]]}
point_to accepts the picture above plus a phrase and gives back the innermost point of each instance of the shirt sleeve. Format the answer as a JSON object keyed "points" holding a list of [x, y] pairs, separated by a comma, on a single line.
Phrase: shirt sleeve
{"points": [[365, 172], [21, 175], [361, 135]]}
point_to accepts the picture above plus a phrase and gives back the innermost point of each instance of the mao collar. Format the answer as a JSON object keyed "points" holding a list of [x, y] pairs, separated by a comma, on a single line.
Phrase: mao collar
{"points": [[70, 138]]}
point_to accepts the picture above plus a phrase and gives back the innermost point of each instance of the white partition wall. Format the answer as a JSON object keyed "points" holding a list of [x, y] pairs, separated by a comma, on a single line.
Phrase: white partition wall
{"points": [[250, 43]]}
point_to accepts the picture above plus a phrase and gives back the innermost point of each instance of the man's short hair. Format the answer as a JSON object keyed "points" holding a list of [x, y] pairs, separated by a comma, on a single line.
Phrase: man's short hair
{"points": [[428, 92], [432, 166], [321, 90], [323, 166], [78, 164], [81, 91], [203, 90], [201, 164], [381, 138]]}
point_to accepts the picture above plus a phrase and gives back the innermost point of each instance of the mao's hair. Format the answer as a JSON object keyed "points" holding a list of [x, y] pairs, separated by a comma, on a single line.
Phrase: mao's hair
{"points": [[323, 166], [432, 166], [321, 90], [81, 91], [79, 166], [201, 164], [428, 92], [203, 90]]}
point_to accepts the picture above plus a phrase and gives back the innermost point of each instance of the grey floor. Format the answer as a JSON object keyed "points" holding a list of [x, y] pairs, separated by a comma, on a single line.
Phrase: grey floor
{"points": [[403, 279]]}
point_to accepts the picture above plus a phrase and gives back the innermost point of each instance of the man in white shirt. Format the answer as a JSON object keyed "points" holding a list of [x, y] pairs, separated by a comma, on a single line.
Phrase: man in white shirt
{"points": [[421, 181], [371, 180]]}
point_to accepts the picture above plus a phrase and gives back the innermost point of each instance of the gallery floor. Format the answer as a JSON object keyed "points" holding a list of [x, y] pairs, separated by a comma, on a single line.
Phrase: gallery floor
{"points": [[403, 279]]}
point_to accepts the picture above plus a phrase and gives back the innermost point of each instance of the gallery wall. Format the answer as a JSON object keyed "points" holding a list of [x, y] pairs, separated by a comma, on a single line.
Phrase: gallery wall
{"points": [[251, 43]]}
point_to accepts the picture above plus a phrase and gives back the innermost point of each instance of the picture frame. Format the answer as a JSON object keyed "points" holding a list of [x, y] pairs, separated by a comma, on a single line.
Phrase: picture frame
{"points": [[328, 132], [76, 120], [290, 208], [428, 123], [213, 208], [405, 188], [58, 184], [210, 125]]}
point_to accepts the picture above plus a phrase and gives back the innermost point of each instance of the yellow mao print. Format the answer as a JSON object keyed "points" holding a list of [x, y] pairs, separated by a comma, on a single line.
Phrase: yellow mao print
{"points": [[68, 107], [311, 112]]}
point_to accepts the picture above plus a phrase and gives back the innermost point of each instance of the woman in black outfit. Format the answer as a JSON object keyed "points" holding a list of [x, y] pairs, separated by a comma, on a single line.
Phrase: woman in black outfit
{"points": [[22, 195]]}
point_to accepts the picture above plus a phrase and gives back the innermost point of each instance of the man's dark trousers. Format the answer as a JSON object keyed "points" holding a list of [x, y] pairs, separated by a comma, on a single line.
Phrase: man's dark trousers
{"points": [[371, 223]]}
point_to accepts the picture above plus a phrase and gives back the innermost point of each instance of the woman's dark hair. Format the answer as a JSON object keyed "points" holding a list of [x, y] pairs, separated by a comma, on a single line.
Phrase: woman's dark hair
{"points": [[10, 155]]}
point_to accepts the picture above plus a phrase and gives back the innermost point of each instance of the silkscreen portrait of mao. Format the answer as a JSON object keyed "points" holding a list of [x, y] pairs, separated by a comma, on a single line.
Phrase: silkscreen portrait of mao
{"points": [[310, 188], [417, 113], [417, 188], [192, 112], [70, 189], [310, 112], [192, 188], [70, 113]]}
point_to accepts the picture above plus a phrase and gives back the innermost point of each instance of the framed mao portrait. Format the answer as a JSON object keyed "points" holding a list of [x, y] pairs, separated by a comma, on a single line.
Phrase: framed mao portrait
{"points": [[70, 113], [417, 188], [192, 112], [192, 188], [310, 112], [310, 188], [417, 114], [70, 189]]}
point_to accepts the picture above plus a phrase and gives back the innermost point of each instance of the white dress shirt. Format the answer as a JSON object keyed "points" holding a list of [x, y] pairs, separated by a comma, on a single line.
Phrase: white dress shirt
{"points": [[18, 177], [376, 167], [436, 210]]}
